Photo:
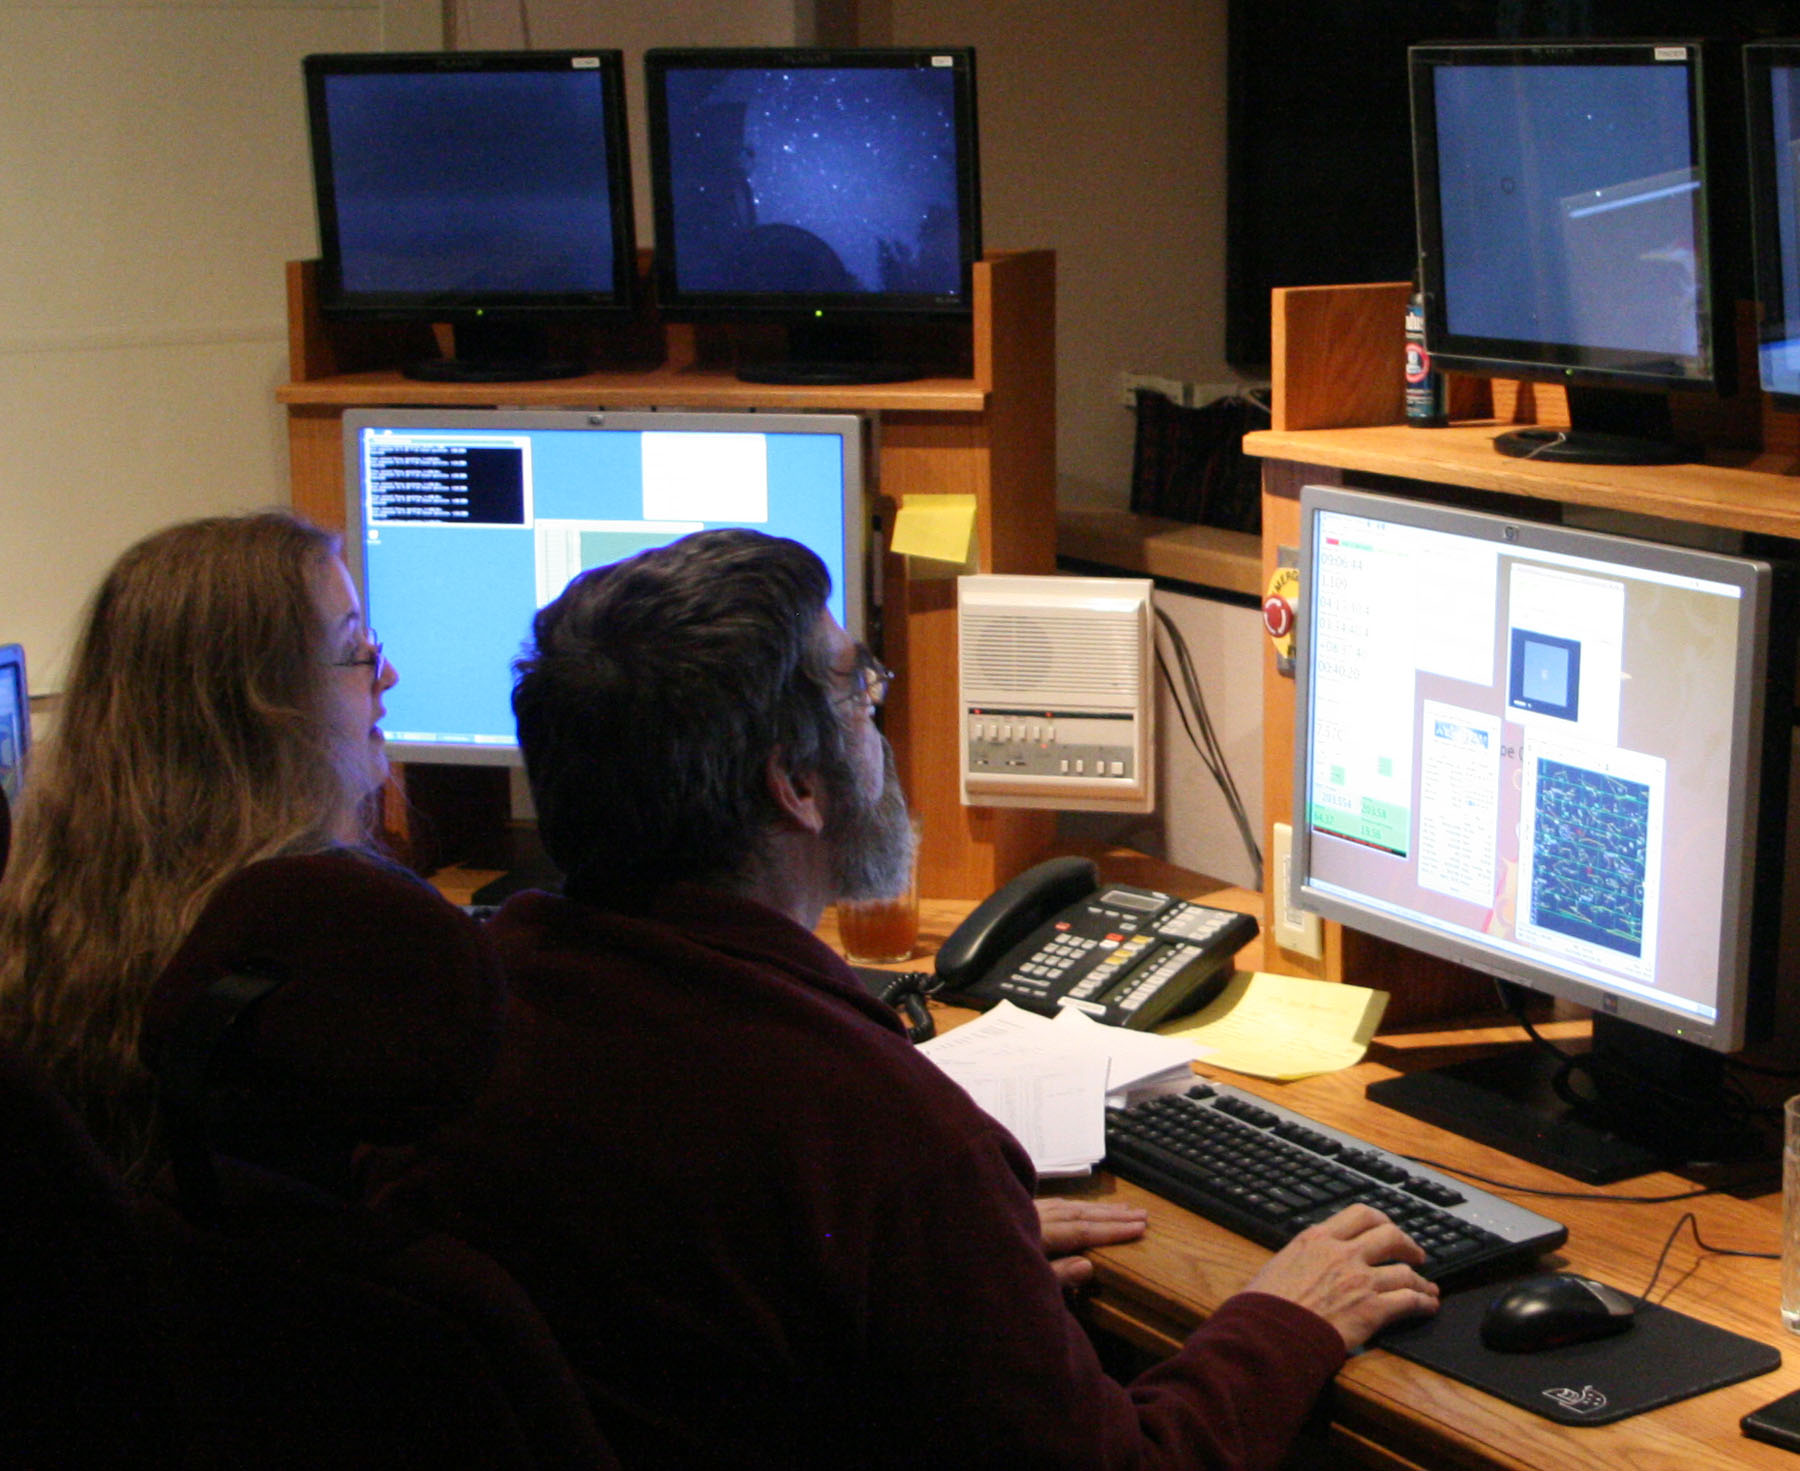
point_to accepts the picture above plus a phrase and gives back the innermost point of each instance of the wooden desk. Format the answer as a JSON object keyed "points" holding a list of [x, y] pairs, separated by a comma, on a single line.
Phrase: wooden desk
{"points": [[1385, 1411]]}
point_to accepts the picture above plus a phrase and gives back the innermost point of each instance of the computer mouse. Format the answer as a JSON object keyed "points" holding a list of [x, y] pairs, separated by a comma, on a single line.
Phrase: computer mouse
{"points": [[1552, 1311]]}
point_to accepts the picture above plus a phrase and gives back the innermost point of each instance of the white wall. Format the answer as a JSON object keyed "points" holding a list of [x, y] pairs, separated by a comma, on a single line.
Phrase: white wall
{"points": [[1192, 826], [1103, 137], [153, 163]]}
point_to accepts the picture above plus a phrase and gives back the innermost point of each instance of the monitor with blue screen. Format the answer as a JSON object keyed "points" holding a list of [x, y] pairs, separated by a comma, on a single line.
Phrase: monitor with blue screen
{"points": [[1570, 206], [15, 722], [1772, 83], [486, 189], [462, 524]]}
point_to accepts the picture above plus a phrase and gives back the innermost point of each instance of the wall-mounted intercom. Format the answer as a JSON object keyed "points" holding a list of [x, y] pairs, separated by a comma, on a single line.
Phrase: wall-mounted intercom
{"points": [[1057, 694]]}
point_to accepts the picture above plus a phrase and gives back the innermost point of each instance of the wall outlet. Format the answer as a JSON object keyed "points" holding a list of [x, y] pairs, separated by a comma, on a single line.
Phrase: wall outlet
{"points": [[1295, 929], [1172, 389]]}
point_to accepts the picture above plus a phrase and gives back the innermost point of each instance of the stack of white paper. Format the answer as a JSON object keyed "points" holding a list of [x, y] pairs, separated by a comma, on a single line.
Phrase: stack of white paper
{"points": [[1049, 1080]]}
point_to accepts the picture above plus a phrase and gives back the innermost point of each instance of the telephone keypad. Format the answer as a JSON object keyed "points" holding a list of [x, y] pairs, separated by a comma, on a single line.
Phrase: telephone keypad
{"points": [[1124, 955]]}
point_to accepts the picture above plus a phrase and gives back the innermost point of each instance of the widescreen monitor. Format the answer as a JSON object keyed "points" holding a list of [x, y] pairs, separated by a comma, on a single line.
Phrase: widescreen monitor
{"points": [[829, 190], [489, 190], [1772, 89], [1558, 756], [1568, 200], [463, 523]]}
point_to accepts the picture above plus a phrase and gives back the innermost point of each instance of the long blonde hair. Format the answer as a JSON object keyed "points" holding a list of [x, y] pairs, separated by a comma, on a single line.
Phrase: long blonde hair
{"points": [[190, 741]]}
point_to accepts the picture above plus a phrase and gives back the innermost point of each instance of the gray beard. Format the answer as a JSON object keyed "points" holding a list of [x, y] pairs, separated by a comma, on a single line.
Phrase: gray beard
{"points": [[871, 842]]}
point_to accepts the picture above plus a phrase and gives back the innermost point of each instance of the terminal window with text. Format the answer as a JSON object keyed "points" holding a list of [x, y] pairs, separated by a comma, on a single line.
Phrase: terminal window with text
{"points": [[468, 522]]}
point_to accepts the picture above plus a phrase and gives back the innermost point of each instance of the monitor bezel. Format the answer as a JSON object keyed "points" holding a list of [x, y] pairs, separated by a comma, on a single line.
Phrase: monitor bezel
{"points": [[823, 308], [337, 302], [1750, 896], [1760, 60], [1712, 368], [853, 430]]}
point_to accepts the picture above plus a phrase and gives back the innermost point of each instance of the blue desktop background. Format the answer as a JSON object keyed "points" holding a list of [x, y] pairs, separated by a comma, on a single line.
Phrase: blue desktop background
{"points": [[453, 604], [472, 181], [1514, 142]]}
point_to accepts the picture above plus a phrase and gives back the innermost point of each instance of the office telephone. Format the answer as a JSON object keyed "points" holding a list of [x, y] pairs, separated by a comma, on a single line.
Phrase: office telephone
{"points": [[1054, 938]]}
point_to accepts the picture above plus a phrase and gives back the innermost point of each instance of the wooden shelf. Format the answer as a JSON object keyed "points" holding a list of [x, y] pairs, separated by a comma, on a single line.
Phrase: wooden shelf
{"points": [[1735, 496], [662, 387], [1154, 546]]}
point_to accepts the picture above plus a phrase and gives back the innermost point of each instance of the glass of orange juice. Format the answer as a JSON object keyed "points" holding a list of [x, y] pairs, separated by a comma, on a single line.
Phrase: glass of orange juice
{"points": [[881, 931]]}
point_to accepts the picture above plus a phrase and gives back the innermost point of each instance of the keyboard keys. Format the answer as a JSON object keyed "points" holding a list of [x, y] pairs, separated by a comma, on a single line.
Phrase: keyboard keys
{"points": [[1269, 1173]]}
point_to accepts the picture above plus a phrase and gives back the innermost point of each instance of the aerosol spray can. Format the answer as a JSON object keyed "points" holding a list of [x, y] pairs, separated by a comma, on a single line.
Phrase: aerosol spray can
{"points": [[1424, 384]]}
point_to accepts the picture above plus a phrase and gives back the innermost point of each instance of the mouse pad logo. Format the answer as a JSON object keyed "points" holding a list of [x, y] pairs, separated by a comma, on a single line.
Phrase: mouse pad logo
{"points": [[1584, 1401]]}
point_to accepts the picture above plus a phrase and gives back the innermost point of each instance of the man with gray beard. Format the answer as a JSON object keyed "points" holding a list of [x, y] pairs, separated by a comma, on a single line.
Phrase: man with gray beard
{"points": [[767, 1232]]}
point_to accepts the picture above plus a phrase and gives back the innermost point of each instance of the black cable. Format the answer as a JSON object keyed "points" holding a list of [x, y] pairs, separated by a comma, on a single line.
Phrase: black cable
{"points": [[1514, 1188], [1206, 744], [1734, 1107], [1688, 1219]]}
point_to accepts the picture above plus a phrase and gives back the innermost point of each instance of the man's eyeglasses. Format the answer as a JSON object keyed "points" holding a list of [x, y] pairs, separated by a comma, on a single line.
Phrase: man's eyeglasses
{"points": [[869, 679], [369, 656]]}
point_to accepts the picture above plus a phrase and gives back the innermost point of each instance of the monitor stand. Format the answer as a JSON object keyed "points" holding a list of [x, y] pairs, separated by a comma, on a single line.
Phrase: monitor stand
{"points": [[1607, 426], [497, 352], [1510, 1101], [829, 353]]}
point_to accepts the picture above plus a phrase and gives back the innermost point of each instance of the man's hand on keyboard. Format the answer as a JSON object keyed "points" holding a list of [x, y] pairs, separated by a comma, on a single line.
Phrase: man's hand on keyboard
{"points": [[1355, 1270], [1072, 1226]]}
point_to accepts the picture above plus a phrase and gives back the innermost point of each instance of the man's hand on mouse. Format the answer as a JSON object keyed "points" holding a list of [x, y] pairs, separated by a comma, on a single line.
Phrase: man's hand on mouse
{"points": [[1355, 1270]]}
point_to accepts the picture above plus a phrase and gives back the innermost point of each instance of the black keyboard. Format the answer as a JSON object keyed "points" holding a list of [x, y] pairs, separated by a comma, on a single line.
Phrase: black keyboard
{"points": [[1268, 1173]]}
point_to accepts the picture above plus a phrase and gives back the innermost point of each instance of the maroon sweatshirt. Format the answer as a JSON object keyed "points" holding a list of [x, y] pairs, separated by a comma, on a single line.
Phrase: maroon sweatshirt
{"points": [[769, 1233]]}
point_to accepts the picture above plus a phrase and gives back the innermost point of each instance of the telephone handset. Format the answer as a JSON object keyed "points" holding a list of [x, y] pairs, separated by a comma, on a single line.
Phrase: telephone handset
{"points": [[1053, 937]]}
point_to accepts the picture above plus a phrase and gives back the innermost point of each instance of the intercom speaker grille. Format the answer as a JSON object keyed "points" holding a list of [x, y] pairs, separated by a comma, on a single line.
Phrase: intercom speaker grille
{"points": [[1051, 658]]}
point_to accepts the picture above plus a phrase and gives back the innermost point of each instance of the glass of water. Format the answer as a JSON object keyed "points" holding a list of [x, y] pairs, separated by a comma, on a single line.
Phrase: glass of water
{"points": [[1790, 1216]]}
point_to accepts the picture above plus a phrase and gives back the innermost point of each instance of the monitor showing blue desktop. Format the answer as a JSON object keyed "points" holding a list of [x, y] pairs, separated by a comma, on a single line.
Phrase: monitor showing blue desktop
{"points": [[1560, 757], [15, 722], [1772, 85], [1569, 201], [485, 189], [462, 524]]}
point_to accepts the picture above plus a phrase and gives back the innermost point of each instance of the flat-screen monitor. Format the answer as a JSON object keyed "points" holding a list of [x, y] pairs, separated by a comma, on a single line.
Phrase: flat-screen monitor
{"points": [[1558, 756], [829, 190], [15, 722], [463, 523], [488, 190], [1772, 89], [1568, 230]]}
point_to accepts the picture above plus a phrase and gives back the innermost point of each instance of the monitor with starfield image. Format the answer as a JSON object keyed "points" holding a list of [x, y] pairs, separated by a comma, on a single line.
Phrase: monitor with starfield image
{"points": [[486, 190], [830, 191], [1573, 219], [463, 523], [1772, 93], [1558, 756]]}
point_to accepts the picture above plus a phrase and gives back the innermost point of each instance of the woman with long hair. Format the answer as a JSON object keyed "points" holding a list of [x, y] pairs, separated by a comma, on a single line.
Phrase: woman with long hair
{"points": [[221, 708]]}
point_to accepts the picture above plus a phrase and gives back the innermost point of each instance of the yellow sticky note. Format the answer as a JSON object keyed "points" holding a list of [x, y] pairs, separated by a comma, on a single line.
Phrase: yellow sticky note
{"points": [[1284, 1027], [938, 533]]}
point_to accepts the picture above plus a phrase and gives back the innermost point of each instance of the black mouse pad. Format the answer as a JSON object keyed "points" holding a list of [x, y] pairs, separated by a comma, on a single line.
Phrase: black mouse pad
{"points": [[1663, 1357]]}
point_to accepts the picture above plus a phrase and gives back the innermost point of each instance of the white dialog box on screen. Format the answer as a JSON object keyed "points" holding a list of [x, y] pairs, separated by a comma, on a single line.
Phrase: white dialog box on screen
{"points": [[706, 477]]}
